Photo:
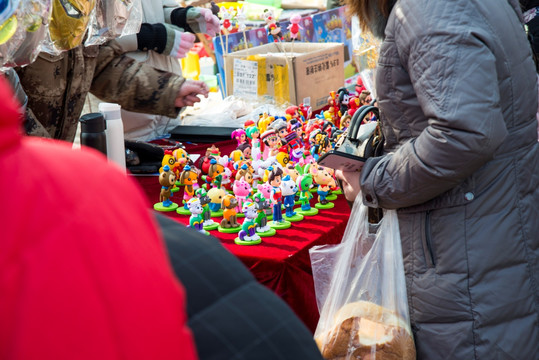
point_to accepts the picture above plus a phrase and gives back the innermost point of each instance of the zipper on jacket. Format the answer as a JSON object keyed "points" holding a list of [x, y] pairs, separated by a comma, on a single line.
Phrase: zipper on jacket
{"points": [[429, 254]]}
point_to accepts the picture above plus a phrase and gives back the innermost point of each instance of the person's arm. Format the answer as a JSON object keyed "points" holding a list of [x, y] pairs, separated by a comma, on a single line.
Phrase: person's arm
{"points": [[453, 73], [134, 85]]}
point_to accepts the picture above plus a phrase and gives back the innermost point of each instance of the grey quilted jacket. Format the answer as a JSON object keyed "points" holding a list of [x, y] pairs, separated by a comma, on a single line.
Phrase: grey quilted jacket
{"points": [[457, 90]]}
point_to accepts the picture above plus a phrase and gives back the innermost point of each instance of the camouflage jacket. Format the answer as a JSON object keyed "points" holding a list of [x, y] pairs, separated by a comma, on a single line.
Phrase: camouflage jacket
{"points": [[57, 86]]}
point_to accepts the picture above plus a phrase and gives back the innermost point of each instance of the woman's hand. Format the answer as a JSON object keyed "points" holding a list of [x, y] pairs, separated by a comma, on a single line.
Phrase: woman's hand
{"points": [[349, 183]]}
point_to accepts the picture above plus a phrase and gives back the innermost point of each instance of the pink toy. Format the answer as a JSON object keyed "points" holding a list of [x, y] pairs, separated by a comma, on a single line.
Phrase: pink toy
{"points": [[294, 26], [242, 190], [239, 135]]}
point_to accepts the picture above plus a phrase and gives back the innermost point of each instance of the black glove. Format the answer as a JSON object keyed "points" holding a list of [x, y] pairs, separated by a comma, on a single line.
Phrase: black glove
{"points": [[164, 39]]}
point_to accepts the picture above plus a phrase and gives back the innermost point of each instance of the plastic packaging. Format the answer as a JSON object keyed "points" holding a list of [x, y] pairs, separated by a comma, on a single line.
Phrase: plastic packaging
{"points": [[361, 292], [93, 132], [114, 132]]}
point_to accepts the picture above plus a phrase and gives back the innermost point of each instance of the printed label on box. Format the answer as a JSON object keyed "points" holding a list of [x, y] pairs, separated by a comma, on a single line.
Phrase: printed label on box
{"points": [[245, 78]]}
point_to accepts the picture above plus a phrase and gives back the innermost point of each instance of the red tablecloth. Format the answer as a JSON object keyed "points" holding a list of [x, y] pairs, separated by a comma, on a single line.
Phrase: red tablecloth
{"points": [[280, 262]]}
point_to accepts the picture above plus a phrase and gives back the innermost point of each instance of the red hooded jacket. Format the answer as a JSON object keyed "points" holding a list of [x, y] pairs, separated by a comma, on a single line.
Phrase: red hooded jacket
{"points": [[83, 270]]}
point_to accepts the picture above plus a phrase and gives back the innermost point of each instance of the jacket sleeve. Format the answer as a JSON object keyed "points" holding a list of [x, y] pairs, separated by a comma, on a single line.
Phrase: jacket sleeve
{"points": [[453, 73], [136, 86]]}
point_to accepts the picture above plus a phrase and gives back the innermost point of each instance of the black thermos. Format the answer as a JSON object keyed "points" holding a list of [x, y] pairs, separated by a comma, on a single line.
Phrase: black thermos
{"points": [[92, 132]]}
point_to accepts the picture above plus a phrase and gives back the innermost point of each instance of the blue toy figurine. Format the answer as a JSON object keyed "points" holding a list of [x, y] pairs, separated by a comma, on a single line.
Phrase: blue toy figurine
{"points": [[274, 179]]}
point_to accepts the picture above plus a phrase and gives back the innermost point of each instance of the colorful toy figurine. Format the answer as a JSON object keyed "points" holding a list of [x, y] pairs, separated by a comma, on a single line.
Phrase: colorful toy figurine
{"points": [[214, 177], [304, 182], [245, 148], [205, 200], [325, 181], [196, 220], [253, 133], [248, 235], [271, 143], [242, 190], [188, 179], [262, 204], [272, 27], [229, 224], [294, 26], [265, 190], [239, 135], [275, 179], [167, 179], [216, 196], [289, 190]]}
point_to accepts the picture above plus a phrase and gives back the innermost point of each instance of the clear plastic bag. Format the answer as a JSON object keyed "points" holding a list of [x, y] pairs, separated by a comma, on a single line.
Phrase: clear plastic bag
{"points": [[361, 292]]}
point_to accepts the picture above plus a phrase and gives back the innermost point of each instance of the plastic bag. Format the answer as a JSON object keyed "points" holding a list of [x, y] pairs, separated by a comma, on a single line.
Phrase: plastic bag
{"points": [[361, 292]]}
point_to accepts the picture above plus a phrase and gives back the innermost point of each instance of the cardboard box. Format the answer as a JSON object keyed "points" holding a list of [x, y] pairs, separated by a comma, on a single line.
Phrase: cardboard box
{"points": [[287, 72]]}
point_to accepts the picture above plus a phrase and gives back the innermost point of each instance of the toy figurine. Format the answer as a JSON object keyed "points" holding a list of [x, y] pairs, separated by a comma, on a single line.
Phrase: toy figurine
{"points": [[245, 172], [239, 135], [182, 158], [265, 190], [242, 190], [344, 101], [188, 178], [294, 26], [214, 177], [304, 182], [196, 220], [167, 179], [216, 196], [248, 235], [261, 204], [289, 190], [236, 156], [271, 143], [229, 224], [245, 148], [275, 179], [272, 27], [280, 127], [253, 133], [325, 181], [202, 195]]}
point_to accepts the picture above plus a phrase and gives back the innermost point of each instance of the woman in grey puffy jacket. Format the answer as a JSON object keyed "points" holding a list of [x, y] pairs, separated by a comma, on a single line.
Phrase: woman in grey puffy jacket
{"points": [[457, 90]]}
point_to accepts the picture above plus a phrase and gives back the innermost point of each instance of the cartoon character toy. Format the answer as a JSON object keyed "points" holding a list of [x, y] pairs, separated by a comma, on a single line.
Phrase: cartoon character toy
{"points": [[275, 179], [289, 190], [322, 176], [304, 182], [214, 177], [248, 235], [261, 204], [216, 196], [294, 26], [239, 135], [229, 224], [205, 200], [196, 219], [272, 26], [167, 179], [188, 179], [242, 190]]}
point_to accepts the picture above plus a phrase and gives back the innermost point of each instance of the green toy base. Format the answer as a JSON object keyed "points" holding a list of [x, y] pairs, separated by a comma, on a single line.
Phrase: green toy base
{"points": [[337, 192], [314, 189], [297, 217], [297, 202], [183, 211], [159, 207], [331, 197], [280, 225], [174, 189], [213, 226], [229, 230], [243, 242], [311, 212], [329, 205], [240, 215], [268, 233], [217, 213]]}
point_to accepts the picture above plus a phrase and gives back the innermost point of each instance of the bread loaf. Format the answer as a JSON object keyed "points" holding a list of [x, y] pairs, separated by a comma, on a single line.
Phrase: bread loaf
{"points": [[366, 331]]}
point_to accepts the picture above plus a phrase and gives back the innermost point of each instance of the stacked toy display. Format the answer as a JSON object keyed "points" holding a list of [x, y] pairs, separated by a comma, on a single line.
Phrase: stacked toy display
{"points": [[269, 179]]}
